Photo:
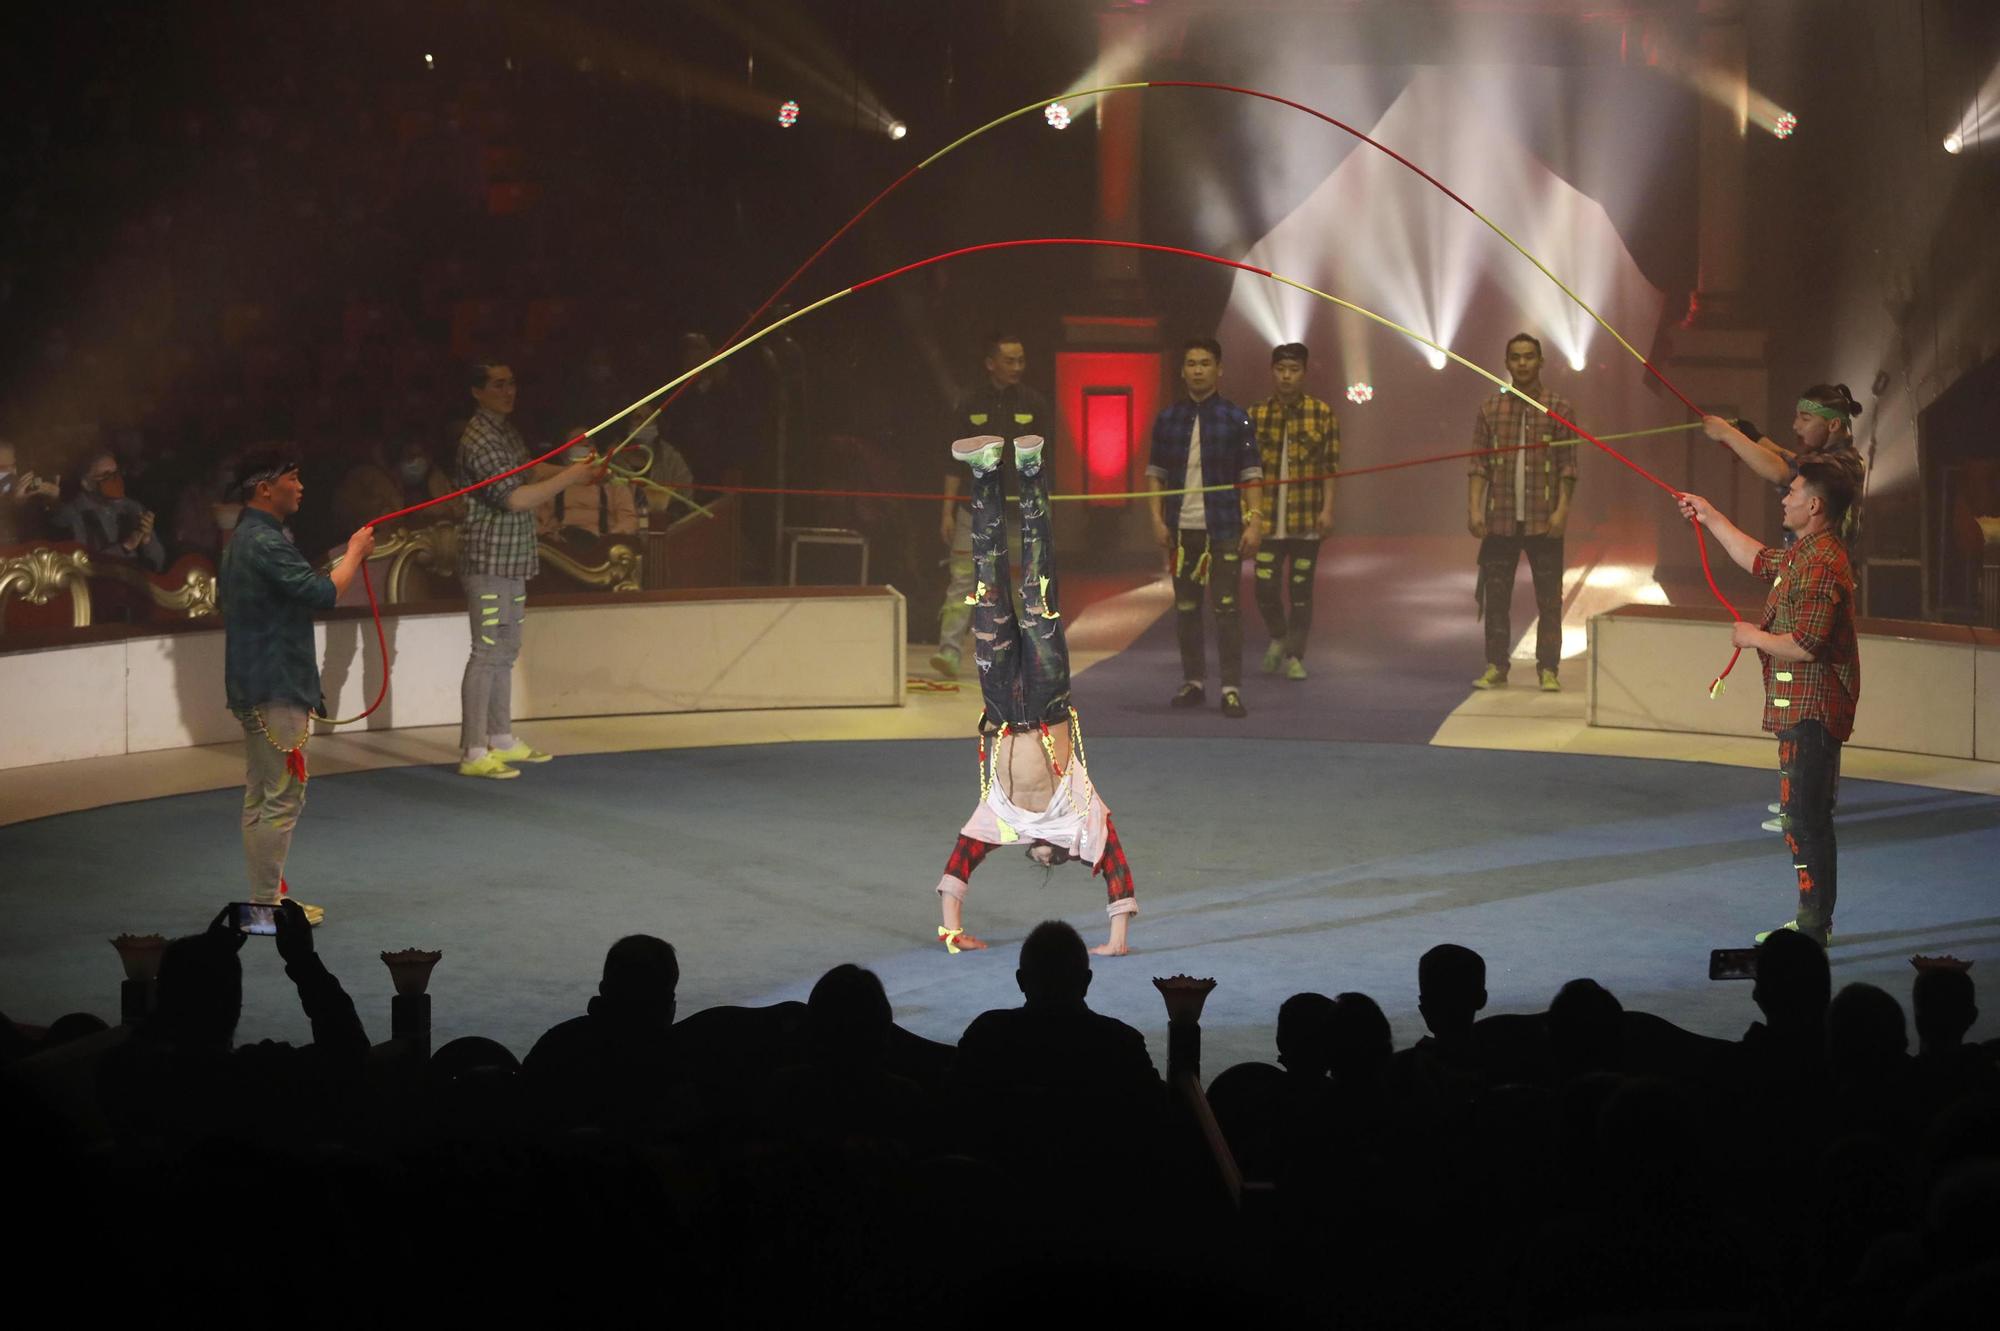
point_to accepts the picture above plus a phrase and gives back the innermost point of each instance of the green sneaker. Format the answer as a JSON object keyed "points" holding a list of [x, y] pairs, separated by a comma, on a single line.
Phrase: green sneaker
{"points": [[488, 766], [981, 452], [1493, 678], [945, 663], [1294, 668], [1274, 657], [1550, 684], [520, 753]]}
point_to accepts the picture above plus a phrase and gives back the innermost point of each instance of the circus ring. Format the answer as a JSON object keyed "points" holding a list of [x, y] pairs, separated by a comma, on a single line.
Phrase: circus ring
{"points": [[747, 775]]}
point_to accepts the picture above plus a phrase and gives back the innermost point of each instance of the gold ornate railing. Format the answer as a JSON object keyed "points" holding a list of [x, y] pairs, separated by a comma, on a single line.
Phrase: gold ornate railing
{"points": [[40, 573]]}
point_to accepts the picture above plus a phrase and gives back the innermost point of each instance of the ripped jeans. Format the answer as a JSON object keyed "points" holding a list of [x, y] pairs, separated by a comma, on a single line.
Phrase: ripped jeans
{"points": [[1283, 564], [1023, 660], [1202, 561]]}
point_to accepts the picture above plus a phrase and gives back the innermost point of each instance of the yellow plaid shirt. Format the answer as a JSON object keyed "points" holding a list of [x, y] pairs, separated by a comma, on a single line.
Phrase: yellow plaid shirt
{"points": [[1300, 440]]}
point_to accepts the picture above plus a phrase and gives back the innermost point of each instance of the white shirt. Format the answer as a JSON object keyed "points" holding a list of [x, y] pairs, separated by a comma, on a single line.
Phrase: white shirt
{"points": [[1194, 509]]}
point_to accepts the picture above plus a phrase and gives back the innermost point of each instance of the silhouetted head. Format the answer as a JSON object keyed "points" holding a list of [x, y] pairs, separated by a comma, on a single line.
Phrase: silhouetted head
{"points": [[200, 992], [1585, 1020], [1865, 1030], [1945, 1009], [73, 1026], [640, 975], [848, 1016], [1055, 965], [1451, 988], [1358, 1042], [1793, 984], [1303, 1022]]}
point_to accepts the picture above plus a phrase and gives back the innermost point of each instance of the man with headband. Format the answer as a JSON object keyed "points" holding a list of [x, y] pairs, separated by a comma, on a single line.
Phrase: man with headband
{"points": [[268, 592], [1812, 668], [1822, 427]]}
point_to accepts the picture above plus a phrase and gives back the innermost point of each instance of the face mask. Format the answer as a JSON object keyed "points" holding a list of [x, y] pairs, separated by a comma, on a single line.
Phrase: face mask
{"points": [[577, 455], [415, 471], [112, 487]]}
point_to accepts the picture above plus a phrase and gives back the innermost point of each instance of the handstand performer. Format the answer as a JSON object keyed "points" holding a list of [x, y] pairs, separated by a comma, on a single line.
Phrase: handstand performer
{"points": [[1035, 788]]}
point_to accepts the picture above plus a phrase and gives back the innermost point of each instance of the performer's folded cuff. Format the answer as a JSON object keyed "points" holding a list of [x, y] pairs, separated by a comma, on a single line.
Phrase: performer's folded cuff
{"points": [[954, 888], [1123, 906]]}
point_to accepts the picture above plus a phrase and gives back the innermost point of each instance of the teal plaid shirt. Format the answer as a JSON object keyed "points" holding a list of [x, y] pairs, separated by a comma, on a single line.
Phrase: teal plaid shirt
{"points": [[493, 538], [268, 592]]}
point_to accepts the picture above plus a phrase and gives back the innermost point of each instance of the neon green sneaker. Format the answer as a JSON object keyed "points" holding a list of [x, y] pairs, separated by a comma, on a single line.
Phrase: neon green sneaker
{"points": [[1550, 684], [1294, 668], [1493, 678], [520, 753], [1274, 657], [488, 766]]}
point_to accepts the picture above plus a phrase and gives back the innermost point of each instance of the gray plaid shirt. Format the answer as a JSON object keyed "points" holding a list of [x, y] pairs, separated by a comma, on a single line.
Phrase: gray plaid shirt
{"points": [[493, 538]]}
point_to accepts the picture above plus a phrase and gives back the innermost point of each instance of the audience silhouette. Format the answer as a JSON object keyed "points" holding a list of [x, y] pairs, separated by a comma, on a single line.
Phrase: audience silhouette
{"points": [[1589, 1165]]}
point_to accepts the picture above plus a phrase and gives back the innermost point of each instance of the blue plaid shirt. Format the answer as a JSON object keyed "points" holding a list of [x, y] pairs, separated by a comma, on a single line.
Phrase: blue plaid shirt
{"points": [[1229, 455], [268, 593]]}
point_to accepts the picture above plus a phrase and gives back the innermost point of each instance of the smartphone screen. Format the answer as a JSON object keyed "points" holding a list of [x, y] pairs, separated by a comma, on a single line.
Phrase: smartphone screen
{"points": [[252, 917], [1732, 963]]}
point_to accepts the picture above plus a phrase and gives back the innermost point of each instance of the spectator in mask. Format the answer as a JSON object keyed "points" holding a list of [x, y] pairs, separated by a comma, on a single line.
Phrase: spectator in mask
{"points": [[206, 511], [391, 480], [108, 523]]}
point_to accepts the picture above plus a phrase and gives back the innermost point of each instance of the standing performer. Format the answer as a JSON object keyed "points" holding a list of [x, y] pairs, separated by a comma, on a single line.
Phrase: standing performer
{"points": [[1297, 435], [1518, 503], [1206, 440], [496, 557], [267, 593], [1822, 427], [1035, 788], [1002, 406], [1812, 668]]}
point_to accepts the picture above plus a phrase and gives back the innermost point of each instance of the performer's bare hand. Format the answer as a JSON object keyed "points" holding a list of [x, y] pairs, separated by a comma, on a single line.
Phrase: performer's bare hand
{"points": [[948, 529], [1744, 634], [1477, 526], [1695, 509], [1558, 520], [1717, 428], [1162, 537], [1253, 536], [361, 544]]}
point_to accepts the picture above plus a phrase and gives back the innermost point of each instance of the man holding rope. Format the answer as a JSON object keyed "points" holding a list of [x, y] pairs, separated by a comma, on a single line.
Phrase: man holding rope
{"points": [[1812, 668], [267, 593], [496, 557]]}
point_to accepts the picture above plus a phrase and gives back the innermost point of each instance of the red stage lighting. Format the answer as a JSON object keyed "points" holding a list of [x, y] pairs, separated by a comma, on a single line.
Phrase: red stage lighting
{"points": [[1358, 393], [788, 114]]}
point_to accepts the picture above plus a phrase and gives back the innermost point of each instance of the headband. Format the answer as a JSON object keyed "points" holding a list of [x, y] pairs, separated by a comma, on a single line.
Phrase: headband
{"points": [[1824, 412], [247, 484]]}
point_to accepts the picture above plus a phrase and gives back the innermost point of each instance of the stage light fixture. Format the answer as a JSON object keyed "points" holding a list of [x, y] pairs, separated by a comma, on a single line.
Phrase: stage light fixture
{"points": [[1785, 124], [1358, 393], [1577, 362], [1954, 143], [897, 129], [788, 114], [1057, 115], [1435, 357], [429, 63]]}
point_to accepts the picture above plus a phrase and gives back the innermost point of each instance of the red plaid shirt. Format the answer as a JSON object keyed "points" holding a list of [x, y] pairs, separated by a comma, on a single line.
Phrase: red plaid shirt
{"points": [[1811, 601], [1535, 475]]}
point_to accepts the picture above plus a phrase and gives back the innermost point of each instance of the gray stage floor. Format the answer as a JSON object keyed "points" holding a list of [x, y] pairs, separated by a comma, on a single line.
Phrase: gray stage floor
{"points": [[1272, 866]]}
